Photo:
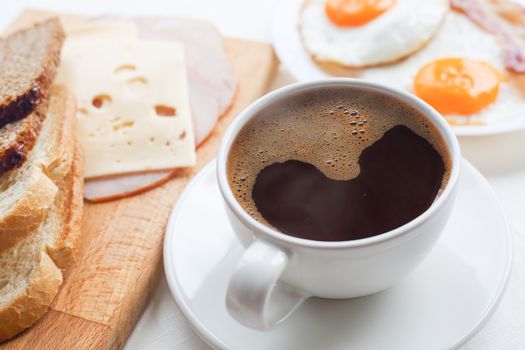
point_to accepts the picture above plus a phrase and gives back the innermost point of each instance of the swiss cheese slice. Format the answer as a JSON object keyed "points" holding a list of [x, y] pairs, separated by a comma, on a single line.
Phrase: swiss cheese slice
{"points": [[133, 107]]}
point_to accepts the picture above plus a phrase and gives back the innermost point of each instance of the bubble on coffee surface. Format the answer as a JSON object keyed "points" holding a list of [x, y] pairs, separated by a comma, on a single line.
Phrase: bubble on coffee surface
{"points": [[328, 129]]}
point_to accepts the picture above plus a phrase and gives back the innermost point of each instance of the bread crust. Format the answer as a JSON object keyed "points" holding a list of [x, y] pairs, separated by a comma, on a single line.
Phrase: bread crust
{"points": [[63, 249], [15, 151], [34, 301], [58, 157]]}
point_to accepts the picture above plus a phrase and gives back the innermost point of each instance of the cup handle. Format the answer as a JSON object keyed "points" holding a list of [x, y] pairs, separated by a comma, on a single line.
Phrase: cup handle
{"points": [[253, 297]]}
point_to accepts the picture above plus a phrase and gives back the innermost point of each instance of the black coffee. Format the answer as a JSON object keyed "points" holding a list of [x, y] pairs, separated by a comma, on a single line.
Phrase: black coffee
{"points": [[337, 165]]}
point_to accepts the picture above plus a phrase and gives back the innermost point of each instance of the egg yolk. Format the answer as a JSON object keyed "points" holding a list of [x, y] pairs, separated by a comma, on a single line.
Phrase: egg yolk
{"points": [[458, 85], [353, 13]]}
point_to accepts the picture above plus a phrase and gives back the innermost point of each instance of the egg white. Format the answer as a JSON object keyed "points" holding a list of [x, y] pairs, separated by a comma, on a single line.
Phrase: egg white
{"points": [[458, 37], [398, 32]]}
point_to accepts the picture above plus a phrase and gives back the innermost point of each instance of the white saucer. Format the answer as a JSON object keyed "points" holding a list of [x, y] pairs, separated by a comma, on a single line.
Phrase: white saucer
{"points": [[440, 305], [290, 51]]}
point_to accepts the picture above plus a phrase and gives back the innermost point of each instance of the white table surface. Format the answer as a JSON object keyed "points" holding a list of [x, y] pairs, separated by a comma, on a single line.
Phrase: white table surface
{"points": [[500, 158]]}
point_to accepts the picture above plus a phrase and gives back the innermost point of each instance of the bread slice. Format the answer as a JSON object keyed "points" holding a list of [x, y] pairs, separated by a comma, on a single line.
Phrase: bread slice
{"points": [[29, 279], [28, 63], [27, 193]]}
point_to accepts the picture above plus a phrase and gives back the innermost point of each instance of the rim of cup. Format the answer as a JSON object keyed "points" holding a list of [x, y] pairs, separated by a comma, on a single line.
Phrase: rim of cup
{"points": [[254, 108]]}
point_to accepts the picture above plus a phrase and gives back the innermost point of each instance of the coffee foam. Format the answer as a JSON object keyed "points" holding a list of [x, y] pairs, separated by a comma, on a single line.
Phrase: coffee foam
{"points": [[328, 128]]}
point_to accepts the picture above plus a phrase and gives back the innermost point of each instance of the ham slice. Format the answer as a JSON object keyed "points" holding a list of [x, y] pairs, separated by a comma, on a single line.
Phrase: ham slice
{"points": [[212, 87], [204, 106], [204, 51], [105, 189]]}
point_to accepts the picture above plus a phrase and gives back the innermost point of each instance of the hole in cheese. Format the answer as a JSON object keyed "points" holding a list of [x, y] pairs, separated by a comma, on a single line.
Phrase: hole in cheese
{"points": [[101, 101], [137, 84], [125, 68], [124, 124], [165, 111], [83, 111]]}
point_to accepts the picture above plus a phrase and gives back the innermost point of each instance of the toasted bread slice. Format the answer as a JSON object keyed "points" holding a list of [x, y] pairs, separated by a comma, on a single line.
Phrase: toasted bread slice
{"points": [[27, 193], [28, 63], [29, 279]]}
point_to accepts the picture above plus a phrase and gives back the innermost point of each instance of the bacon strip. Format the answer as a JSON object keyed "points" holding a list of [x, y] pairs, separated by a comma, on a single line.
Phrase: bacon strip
{"points": [[503, 19]]}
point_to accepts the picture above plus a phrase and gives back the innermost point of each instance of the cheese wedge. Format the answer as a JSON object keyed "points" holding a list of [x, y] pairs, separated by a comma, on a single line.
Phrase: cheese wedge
{"points": [[133, 107]]}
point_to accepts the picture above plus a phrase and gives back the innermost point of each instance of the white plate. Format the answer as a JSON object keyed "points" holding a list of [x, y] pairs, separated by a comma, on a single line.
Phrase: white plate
{"points": [[440, 305], [288, 46]]}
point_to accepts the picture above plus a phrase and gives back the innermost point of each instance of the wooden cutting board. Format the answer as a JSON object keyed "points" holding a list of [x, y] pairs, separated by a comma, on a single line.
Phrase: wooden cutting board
{"points": [[105, 292]]}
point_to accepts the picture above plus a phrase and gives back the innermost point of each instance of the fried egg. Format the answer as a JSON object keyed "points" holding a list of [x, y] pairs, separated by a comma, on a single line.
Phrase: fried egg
{"points": [[359, 33], [461, 73]]}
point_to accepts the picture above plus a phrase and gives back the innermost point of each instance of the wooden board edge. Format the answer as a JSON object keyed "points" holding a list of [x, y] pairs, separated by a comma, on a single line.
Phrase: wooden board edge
{"points": [[50, 334]]}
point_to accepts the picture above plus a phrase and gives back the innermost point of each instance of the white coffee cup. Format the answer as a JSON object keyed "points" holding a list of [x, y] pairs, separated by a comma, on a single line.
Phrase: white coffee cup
{"points": [[278, 272]]}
